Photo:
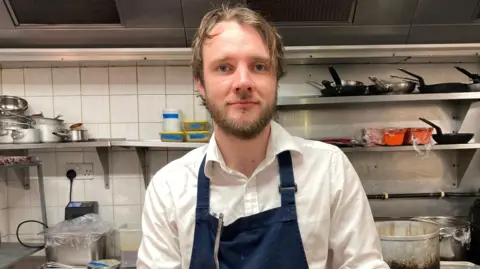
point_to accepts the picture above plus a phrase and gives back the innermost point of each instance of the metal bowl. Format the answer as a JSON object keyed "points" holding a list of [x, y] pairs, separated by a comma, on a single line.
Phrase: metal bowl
{"points": [[13, 104]]}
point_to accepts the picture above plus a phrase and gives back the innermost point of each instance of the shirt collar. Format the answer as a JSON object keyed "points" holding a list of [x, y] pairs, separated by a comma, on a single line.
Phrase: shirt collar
{"points": [[280, 140]]}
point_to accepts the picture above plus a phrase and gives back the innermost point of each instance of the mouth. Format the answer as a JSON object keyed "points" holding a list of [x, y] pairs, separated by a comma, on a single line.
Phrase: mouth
{"points": [[243, 104]]}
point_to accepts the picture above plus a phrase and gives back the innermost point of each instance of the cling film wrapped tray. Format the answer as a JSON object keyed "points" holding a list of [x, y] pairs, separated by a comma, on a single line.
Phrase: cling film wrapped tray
{"points": [[79, 233]]}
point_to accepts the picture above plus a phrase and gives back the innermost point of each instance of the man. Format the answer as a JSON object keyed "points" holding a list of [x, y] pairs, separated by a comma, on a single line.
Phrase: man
{"points": [[254, 197]]}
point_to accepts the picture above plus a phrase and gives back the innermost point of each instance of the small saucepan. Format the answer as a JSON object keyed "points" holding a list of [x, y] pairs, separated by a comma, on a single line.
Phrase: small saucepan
{"points": [[73, 135], [441, 138]]}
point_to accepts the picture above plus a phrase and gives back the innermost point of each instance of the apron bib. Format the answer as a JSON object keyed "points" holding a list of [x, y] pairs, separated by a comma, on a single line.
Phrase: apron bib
{"points": [[269, 239]]}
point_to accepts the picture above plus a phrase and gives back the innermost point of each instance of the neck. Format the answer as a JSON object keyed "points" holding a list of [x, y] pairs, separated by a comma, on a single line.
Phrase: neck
{"points": [[243, 155]]}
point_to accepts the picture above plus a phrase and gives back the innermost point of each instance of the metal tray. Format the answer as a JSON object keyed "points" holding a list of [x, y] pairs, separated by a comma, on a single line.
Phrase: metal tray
{"points": [[458, 265]]}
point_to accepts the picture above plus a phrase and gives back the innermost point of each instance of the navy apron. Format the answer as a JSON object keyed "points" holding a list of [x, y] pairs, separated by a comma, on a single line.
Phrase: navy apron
{"points": [[267, 240]]}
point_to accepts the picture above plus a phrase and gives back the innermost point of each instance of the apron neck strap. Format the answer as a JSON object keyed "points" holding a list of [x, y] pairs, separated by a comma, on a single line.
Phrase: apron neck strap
{"points": [[287, 187]]}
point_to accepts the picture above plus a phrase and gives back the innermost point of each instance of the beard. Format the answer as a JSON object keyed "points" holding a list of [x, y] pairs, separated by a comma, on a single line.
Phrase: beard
{"points": [[244, 130]]}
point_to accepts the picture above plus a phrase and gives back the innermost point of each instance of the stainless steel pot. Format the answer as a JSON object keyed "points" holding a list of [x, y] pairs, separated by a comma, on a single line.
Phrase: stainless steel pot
{"points": [[73, 135], [14, 122], [6, 136], [82, 252], [455, 237], [39, 119], [26, 136], [410, 244], [47, 127], [47, 132]]}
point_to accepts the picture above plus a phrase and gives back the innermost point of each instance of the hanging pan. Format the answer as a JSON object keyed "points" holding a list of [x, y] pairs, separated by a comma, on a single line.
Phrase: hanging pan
{"points": [[441, 138], [437, 88]]}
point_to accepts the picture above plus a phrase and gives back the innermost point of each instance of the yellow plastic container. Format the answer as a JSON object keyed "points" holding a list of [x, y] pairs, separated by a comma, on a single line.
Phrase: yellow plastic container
{"points": [[195, 125], [198, 136], [172, 136]]}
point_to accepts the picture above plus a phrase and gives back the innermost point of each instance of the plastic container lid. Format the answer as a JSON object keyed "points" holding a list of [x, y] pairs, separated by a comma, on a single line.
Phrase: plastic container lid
{"points": [[171, 110]]}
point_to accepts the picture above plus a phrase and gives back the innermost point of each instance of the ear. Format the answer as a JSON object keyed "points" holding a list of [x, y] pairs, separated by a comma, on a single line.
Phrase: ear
{"points": [[200, 87]]}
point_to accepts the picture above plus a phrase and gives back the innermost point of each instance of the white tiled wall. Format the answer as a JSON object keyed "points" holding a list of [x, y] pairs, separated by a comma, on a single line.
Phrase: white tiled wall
{"points": [[112, 102], [126, 102]]}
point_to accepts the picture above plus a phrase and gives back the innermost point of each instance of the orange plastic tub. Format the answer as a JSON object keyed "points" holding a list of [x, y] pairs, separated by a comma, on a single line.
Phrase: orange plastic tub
{"points": [[394, 136], [421, 135]]}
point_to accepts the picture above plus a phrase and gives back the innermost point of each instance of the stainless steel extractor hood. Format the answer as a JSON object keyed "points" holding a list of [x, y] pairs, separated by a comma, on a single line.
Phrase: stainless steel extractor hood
{"points": [[172, 23]]}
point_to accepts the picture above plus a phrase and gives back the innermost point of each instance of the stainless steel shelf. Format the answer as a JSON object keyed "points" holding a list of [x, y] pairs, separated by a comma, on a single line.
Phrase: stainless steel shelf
{"points": [[21, 165], [184, 54], [155, 144], [187, 145], [410, 148], [94, 144], [11, 253], [318, 100]]}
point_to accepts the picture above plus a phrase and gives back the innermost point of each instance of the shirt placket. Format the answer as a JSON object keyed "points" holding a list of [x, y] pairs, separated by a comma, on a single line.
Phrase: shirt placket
{"points": [[251, 197]]}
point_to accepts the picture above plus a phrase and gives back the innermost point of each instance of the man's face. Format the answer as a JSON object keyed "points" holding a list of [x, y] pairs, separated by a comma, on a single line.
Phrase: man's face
{"points": [[240, 85]]}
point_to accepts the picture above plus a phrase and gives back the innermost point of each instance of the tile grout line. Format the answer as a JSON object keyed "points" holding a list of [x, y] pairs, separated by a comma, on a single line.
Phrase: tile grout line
{"points": [[138, 102]]}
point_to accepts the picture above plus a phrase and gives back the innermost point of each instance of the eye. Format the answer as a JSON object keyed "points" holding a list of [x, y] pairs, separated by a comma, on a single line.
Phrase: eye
{"points": [[260, 67], [223, 68]]}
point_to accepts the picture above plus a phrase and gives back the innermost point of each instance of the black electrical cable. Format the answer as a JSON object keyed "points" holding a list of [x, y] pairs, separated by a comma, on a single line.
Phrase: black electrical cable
{"points": [[20, 241], [71, 175]]}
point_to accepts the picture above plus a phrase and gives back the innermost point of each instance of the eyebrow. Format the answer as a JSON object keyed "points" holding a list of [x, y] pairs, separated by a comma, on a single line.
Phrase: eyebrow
{"points": [[227, 58]]}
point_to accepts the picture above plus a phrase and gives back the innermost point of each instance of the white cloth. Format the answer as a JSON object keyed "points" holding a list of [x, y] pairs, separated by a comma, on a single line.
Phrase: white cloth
{"points": [[335, 220]]}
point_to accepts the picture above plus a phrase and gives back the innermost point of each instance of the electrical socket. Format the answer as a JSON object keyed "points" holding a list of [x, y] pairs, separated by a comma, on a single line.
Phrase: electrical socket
{"points": [[84, 170]]}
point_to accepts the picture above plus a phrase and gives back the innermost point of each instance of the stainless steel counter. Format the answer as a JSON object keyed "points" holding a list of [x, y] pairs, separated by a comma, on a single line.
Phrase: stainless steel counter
{"points": [[11, 253], [458, 265]]}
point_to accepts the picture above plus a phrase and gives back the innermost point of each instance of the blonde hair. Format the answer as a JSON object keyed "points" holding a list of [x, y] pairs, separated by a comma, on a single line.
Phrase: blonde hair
{"points": [[244, 16]]}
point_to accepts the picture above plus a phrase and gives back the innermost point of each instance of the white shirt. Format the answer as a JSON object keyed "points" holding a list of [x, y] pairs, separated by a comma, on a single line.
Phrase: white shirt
{"points": [[334, 216]]}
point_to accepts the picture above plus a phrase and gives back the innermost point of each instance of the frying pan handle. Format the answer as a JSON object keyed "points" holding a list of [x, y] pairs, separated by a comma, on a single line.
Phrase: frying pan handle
{"points": [[474, 77], [437, 128], [335, 76], [405, 79], [420, 79]]}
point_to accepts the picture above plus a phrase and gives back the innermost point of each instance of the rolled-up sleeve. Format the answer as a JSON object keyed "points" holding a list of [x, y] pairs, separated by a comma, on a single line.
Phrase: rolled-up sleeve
{"points": [[354, 241], [159, 248]]}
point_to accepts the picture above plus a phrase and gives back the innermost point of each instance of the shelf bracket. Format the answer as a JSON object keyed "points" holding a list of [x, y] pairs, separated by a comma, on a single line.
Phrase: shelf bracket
{"points": [[464, 159], [23, 174], [103, 154], [143, 158]]}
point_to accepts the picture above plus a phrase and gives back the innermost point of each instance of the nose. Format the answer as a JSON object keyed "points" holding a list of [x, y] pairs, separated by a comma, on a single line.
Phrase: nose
{"points": [[243, 79]]}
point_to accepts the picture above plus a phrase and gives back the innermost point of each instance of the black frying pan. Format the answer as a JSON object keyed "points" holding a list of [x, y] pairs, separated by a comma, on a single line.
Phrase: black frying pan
{"points": [[443, 139], [475, 86], [437, 88], [342, 87]]}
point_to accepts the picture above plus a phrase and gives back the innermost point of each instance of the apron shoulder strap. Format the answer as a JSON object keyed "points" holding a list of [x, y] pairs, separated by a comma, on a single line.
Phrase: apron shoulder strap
{"points": [[203, 190], [287, 187]]}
